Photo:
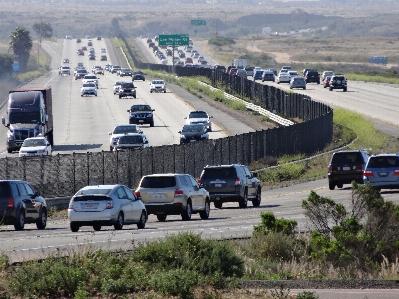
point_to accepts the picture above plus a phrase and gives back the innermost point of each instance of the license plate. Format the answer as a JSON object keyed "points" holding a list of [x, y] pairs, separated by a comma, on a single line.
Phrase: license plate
{"points": [[383, 173], [90, 205], [218, 185], [192, 140], [346, 168], [141, 121]]}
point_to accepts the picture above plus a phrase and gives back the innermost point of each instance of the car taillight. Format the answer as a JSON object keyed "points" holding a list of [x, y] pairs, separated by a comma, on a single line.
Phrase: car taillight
{"points": [[330, 168], [137, 193], [368, 173], [70, 207], [10, 203], [199, 181], [178, 192], [237, 181], [396, 172], [110, 204]]}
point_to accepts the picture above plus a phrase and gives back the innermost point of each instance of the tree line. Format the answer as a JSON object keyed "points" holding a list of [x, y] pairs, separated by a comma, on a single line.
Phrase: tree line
{"points": [[21, 45]]}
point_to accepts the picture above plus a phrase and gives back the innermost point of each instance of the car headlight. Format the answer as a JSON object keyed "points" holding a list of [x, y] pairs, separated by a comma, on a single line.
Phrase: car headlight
{"points": [[149, 115], [182, 137]]}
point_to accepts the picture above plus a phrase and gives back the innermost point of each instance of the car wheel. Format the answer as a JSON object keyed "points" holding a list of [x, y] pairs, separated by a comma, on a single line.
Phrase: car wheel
{"points": [[74, 227], [97, 227], [95, 94], [278, 82], [161, 218], [152, 124], [205, 213], [330, 89], [119, 222], [143, 220], [325, 86], [42, 221], [186, 214], [256, 201], [150, 91], [134, 96], [164, 91], [331, 186], [340, 185], [81, 95], [120, 97], [304, 88], [19, 223], [143, 79], [218, 204], [244, 200], [344, 89]]}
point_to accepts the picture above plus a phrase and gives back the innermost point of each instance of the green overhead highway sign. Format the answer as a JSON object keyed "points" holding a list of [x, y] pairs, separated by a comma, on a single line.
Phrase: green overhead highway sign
{"points": [[173, 40], [198, 22]]}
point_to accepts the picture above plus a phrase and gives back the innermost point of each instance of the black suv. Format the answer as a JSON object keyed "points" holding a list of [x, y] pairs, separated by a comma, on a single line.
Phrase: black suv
{"points": [[20, 204], [345, 167], [141, 114], [338, 82], [231, 183], [312, 76], [127, 89]]}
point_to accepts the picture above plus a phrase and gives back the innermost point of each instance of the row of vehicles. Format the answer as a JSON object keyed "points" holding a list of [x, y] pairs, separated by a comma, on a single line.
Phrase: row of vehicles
{"points": [[381, 171], [117, 205]]}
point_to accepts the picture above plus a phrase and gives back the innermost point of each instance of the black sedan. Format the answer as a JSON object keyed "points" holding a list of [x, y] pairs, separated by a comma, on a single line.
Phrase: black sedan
{"points": [[193, 132], [138, 76], [124, 72]]}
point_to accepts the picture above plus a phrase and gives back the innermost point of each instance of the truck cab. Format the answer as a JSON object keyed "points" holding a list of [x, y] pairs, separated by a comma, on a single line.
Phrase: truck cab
{"points": [[27, 116]]}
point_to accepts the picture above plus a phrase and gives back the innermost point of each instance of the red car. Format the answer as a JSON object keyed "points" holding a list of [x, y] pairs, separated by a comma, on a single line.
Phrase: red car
{"points": [[84, 48], [233, 71], [326, 81]]}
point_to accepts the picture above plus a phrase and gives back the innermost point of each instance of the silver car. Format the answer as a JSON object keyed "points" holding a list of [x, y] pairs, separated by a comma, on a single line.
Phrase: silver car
{"points": [[173, 194], [298, 82], [106, 205]]}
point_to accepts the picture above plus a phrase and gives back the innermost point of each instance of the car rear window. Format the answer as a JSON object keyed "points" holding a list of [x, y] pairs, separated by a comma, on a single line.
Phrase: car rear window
{"points": [[90, 197], [158, 182], [383, 162], [94, 191], [347, 158], [217, 173], [4, 189]]}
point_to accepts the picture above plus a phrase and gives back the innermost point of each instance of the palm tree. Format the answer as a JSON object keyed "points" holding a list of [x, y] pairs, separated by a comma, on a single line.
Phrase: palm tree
{"points": [[21, 44]]}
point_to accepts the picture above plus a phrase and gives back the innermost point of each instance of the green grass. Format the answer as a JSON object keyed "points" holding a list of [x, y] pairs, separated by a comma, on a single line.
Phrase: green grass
{"points": [[372, 78]]}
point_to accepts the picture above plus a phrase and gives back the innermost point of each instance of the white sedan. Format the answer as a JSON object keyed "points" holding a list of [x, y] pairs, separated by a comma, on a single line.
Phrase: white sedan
{"points": [[283, 78], [35, 146], [88, 89], [158, 86]]}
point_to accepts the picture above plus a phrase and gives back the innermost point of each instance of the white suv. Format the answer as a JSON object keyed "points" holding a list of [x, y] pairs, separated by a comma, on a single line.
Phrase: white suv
{"points": [[64, 70], [158, 86], [200, 117], [90, 79], [173, 194]]}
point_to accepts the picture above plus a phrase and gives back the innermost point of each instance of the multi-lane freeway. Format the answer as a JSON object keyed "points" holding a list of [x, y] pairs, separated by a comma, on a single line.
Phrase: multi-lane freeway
{"points": [[82, 124]]}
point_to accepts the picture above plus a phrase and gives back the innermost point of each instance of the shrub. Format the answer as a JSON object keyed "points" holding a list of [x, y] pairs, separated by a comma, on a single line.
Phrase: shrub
{"points": [[236, 105], [307, 295], [221, 41], [269, 223], [189, 251]]}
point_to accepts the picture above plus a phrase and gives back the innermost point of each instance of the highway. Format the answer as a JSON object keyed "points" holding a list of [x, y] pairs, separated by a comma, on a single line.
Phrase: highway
{"points": [[82, 124]]}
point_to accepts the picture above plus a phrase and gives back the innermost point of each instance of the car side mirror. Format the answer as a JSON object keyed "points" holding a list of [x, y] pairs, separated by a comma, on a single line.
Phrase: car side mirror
{"points": [[128, 110], [3, 121], [110, 133], [179, 132]]}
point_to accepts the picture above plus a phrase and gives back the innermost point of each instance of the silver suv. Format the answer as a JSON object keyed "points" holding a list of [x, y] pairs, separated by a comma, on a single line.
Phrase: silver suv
{"points": [[173, 194], [231, 183]]}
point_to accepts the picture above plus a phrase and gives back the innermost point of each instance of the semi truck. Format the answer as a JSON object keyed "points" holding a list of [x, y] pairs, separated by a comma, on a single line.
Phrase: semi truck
{"points": [[29, 114], [240, 63]]}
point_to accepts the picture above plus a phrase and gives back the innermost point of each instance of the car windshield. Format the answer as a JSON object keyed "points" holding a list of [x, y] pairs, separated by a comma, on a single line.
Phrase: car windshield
{"points": [[90, 77], [193, 128], [157, 82], [125, 129], [127, 85], [140, 108], [158, 182], [347, 158], [131, 139], [81, 71], [198, 114], [118, 83], [34, 142], [65, 67], [89, 85], [383, 162], [299, 80]]}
